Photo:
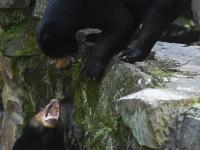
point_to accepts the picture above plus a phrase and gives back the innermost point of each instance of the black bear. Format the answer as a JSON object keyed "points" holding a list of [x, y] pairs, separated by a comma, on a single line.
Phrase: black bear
{"points": [[117, 19], [48, 131]]}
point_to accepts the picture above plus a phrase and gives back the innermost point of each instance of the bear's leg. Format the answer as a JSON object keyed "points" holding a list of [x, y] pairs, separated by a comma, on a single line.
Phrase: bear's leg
{"points": [[153, 26], [117, 29], [105, 47]]}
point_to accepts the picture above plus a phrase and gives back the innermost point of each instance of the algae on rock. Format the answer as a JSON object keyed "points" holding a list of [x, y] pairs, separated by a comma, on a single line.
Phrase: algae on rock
{"points": [[31, 79]]}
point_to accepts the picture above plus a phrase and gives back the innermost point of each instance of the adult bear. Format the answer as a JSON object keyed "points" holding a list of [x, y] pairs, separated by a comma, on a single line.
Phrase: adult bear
{"points": [[117, 19]]}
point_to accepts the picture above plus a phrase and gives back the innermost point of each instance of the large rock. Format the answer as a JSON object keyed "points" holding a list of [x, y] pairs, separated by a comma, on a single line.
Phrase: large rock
{"points": [[151, 113], [159, 90]]}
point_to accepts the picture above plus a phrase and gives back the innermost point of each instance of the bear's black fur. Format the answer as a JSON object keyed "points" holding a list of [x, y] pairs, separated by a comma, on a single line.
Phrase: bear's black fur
{"points": [[33, 139], [50, 134], [117, 19]]}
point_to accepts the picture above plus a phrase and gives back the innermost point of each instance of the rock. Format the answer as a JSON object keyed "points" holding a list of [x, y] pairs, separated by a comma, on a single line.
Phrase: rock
{"points": [[1, 104], [195, 9], [190, 129], [14, 3], [39, 8], [10, 18], [18, 34], [12, 105], [151, 113], [158, 91], [1, 83]]}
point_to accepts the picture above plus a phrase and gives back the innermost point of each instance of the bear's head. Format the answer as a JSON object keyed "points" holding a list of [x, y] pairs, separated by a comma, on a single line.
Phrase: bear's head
{"points": [[43, 132], [58, 43]]}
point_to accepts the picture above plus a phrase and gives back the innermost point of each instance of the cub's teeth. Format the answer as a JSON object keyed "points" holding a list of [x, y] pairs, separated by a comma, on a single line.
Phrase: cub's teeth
{"points": [[51, 117], [45, 118]]}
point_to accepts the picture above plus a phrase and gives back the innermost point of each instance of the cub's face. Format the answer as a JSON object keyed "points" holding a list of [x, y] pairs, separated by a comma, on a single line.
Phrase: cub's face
{"points": [[43, 131]]}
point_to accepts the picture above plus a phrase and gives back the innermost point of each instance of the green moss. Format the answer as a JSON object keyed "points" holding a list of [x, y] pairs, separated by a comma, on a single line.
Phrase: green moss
{"points": [[13, 17], [23, 92], [155, 71], [195, 100], [88, 117], [19, 130], [160, 72], [18, 37], [29, 109], [75, 69], [187, 22], [146, 148]]}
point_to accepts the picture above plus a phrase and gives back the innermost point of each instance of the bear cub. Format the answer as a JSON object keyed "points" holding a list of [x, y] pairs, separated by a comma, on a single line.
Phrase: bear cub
{"points": [[50, 129]]}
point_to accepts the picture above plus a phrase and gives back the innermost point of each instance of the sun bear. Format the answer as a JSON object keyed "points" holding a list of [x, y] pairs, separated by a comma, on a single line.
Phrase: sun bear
{"points": [[50, 129], [117, 19]]}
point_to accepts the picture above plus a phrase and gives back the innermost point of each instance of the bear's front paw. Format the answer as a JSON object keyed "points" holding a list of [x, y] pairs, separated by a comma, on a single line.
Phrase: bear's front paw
{"points": [[133, 55]]}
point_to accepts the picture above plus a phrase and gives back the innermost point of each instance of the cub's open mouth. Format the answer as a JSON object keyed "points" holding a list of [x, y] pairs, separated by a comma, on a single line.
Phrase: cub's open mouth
{"points": [[47, 117], [52, 110], [62, 63]]}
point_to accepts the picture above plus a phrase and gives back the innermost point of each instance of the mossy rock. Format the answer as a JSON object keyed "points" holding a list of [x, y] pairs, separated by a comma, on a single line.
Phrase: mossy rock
{"points": [[1, 83], [13, 17], [18, 36]]}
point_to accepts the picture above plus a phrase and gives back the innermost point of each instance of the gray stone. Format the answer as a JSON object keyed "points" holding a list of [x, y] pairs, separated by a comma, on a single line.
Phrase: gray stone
{"points": [[190, 130], [21, 40], [11, 100], [195, 9], [39, 8], [14, 3], [187, 57], [151, 112]]}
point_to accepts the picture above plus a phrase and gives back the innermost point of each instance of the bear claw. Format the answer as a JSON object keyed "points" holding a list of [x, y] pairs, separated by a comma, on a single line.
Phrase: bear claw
{"points": [[132, 55]]}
